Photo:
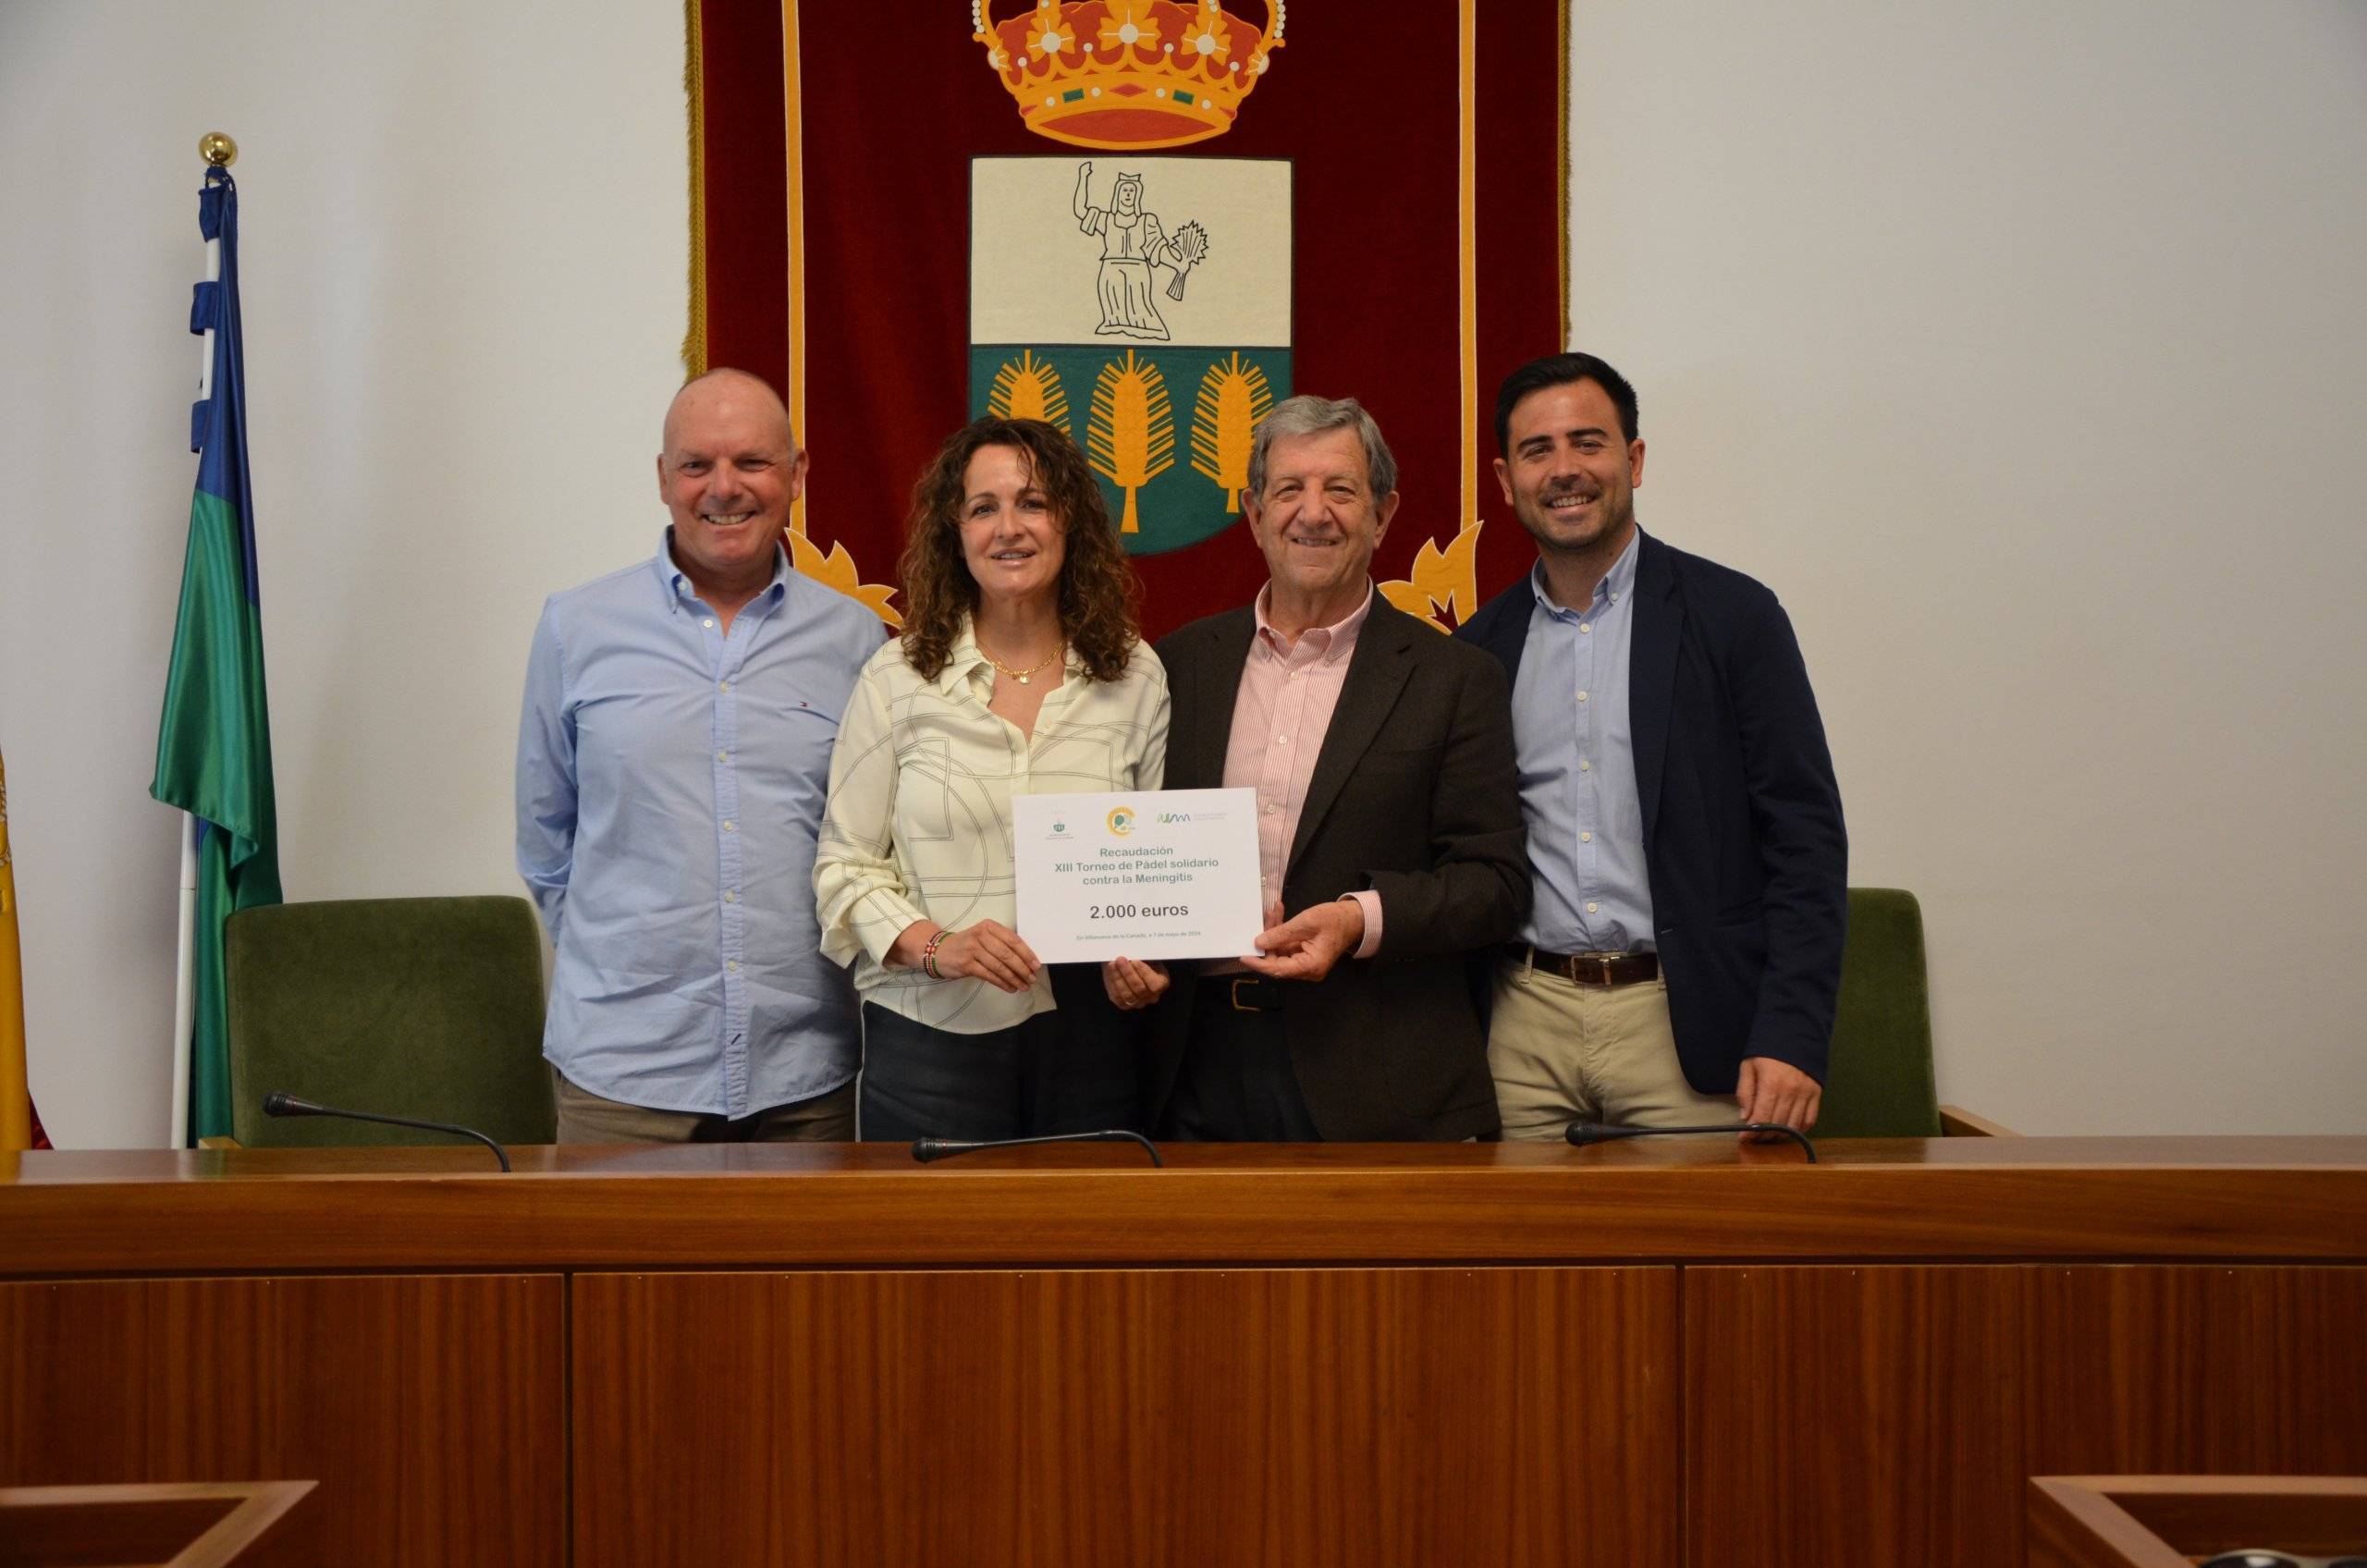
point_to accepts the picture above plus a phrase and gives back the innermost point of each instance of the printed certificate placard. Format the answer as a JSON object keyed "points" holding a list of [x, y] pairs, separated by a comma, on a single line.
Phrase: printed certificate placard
{"points": [[1157, 873]]}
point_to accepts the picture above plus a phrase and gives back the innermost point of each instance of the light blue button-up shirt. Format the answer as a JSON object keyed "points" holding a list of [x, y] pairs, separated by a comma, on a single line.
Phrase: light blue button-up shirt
{"points": [[1577, 771], [670, 782]]}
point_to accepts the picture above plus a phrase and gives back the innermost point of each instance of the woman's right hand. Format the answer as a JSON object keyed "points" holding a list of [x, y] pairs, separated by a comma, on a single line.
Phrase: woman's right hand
{"points": [[988, 951]]}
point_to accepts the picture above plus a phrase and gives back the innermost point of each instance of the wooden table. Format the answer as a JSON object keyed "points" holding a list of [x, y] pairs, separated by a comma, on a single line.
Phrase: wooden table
{"points": [[1652, 1353]]}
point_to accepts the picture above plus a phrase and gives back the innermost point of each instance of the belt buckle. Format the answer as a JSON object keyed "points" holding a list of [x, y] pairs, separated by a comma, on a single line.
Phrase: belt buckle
{"points": [[1238, 982], [1606, 960]]}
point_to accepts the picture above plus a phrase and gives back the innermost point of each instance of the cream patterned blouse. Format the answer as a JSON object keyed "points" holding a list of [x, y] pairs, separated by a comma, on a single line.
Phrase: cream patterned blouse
{"points": [[918, 825]]}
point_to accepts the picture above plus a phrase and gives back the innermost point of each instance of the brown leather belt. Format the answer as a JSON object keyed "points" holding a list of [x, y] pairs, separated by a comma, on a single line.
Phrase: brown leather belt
{"points": [[1588, 969], [1245, 993]]}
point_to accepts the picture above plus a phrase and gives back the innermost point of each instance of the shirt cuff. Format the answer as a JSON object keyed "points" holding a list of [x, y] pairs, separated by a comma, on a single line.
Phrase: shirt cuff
{"points": [[1370, 901], [882, 916]]}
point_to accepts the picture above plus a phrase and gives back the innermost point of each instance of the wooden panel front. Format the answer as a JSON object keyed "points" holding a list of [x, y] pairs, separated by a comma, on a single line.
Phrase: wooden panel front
{"points": [[1511, 1415], [1844, 1417], [2142, 1370], [430, 1409]]}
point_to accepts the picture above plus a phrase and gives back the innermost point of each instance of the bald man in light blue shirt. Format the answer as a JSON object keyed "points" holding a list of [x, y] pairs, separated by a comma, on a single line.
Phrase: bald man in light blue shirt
{"points": [[673, 758]]}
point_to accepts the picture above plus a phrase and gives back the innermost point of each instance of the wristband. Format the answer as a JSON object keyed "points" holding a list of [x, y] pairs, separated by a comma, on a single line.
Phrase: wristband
{"points": [[928, 955]]}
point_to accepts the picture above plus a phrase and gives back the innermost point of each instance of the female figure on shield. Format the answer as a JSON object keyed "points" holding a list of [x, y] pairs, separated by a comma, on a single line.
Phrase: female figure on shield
{"points": [[1132, 243]]}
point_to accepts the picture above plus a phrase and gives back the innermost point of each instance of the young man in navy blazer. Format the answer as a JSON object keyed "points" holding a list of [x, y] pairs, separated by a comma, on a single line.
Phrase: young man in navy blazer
{"points": [[1683, 952]]}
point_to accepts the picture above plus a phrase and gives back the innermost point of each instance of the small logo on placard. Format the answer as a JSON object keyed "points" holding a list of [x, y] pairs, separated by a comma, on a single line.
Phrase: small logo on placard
{"points": [[1122, 820]]}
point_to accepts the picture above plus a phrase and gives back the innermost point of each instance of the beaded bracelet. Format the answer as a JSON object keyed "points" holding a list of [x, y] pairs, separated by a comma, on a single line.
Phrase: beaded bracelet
{"points": [[928, 955]]}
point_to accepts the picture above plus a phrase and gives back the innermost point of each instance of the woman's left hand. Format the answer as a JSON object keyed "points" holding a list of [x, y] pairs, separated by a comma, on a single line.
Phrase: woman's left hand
{"points": [[1132, 985]]}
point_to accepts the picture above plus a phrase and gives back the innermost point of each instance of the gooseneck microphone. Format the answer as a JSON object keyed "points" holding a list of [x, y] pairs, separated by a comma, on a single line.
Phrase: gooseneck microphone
{"points": [[928, 1150], [277, 1104], [1584, 1133]]}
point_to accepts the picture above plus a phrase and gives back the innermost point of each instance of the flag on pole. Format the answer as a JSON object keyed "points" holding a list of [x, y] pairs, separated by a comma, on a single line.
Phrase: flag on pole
{"points": [[213, 742], [19, 1128]]}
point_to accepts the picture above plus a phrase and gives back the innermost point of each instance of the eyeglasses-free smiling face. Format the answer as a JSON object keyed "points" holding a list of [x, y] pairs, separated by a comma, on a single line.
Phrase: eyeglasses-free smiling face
{"points": [[1570, 474], [1011, 541], [1319, 521], [728, 475]]}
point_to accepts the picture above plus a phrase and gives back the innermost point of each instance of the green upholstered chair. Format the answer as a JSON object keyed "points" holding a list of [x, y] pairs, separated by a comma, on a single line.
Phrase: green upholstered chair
{"points": [[1878, 1081], [425, 1008]]}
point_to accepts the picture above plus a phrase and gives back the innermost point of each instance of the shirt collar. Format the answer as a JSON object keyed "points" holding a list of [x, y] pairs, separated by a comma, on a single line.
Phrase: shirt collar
{"points": [[960, 660], [1331, 644], [677, 587], [1618, 585]]}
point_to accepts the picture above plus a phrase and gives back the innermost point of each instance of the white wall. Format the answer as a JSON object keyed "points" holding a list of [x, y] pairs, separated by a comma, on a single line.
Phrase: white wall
{"points": [[2005, 342], [463, 247], [2020, 346]]}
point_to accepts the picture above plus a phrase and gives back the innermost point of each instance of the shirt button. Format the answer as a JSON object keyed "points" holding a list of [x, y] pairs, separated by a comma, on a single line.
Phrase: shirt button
{"points": [[1272, 810], [732, 826], [1584, 767], [733, 964], [1582, 696], [1590, 908], [723, 756], [1282, 739], [1583, 626], [723, 686], [732, 895], [709, 620], [1586, 837]]}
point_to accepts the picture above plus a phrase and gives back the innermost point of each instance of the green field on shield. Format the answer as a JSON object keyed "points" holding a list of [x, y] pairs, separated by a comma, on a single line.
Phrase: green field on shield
{"points": [[1178, 504]]}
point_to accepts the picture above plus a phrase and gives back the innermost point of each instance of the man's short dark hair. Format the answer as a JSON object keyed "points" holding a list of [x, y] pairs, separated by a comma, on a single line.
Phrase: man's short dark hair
{"points": [[1560, 370]]}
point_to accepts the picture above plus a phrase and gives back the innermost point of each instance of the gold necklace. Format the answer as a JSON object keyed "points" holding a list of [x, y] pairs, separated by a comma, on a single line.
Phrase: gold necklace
{"points": [[1022, 675]]}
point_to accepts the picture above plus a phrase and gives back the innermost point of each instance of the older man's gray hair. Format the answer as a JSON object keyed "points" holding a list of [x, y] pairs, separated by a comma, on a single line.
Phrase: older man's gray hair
{"points": [[1308, 415]]}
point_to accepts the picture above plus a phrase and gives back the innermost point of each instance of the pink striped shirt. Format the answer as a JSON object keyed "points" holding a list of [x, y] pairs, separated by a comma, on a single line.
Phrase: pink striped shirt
{"points": [[1279, 716]]}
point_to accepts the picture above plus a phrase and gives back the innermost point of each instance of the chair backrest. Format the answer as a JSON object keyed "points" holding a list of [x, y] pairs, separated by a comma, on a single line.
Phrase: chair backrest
{"points": [[427, 1008], [1878, 1081]]}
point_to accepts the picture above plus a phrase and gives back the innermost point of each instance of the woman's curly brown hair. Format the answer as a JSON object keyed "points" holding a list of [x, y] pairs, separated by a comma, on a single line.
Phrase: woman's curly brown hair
{"points": [[1100, 595]]}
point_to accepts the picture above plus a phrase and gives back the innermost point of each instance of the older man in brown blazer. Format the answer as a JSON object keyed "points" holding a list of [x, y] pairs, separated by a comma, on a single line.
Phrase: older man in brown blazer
{"points": [[1390, 826]]}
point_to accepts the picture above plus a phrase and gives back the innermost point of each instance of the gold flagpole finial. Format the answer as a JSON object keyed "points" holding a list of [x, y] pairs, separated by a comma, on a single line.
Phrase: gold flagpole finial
{"points": [[218, 149]]}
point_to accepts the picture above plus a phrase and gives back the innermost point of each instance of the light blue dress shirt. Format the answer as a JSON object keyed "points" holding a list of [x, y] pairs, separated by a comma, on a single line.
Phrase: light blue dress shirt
{"points": [[670, 782], [1577, 771]]}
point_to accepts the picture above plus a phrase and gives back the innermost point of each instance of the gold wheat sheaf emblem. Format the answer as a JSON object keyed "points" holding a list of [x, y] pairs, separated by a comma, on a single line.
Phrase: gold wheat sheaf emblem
{"points": [[1234, 398], [1131, 438], [1026, 388]]}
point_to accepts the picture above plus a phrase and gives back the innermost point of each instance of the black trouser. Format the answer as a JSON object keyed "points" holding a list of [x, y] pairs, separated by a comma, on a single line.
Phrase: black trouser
{"points": [[1061, 1071], [1235, 1084]]}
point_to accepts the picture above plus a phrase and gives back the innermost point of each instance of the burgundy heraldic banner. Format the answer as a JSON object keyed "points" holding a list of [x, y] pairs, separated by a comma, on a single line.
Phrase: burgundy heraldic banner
{"points": [[1147, 223]]}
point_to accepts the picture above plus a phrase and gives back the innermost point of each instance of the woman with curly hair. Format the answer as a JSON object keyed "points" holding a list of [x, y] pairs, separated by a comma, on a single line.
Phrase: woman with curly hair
{"points": [[1022, 670]]}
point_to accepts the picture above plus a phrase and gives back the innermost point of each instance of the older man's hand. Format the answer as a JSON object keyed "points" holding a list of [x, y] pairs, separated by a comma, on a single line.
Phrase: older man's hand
{"points": [[1305, 946]]}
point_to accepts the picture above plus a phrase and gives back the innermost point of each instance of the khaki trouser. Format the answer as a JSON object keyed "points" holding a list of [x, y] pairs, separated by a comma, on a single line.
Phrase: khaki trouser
{"points": [[586, 1117], [1562, 1052]]}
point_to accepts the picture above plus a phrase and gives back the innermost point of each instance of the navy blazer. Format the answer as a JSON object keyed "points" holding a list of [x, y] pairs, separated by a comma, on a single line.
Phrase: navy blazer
{"points": [[1743, 838]]}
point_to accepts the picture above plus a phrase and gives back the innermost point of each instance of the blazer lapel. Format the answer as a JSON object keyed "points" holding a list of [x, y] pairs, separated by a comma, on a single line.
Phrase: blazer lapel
{"points": [[1651, 671], [1377, 672], [1195, 750], [1505, 631]]}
